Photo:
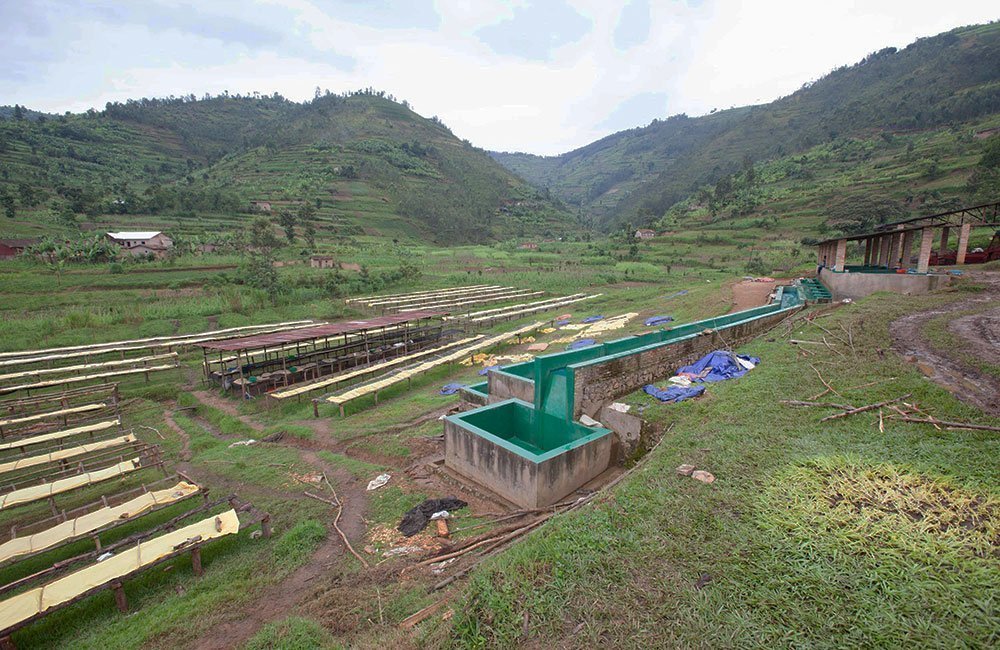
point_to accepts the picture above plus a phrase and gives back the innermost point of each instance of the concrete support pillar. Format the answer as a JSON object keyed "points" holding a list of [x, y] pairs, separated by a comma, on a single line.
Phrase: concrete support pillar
{"points": [[944, 241], [924, 256], [883, 253], [963, 243], [907, 249], [868, 252], [841, 255]]}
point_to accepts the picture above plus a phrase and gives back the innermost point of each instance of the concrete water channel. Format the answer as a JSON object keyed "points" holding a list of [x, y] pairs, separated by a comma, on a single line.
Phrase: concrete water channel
{"points": [[526, 443]]}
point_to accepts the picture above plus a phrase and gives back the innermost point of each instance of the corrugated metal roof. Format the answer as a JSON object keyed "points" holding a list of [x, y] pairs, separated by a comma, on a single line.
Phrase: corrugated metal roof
{"points": [[321, 331]]}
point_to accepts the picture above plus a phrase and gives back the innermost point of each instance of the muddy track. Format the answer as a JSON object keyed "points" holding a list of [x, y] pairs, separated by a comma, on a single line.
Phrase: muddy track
{"points": [[185, 452], [282, 598], [976, 334], [226, 406]]}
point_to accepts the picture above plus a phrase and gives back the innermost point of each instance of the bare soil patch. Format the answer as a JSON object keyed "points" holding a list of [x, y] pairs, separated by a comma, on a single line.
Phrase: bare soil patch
{"points": [[977, 335], [748, 294]]}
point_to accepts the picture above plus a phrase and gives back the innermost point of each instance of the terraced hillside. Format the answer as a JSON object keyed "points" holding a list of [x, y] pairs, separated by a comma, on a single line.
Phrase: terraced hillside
{"points": [[364, 163], [934, 84]]}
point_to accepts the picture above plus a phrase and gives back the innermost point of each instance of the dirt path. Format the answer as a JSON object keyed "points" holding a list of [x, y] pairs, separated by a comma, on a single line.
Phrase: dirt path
{"points": [[281, 599], [226, 406], [976, 335], [185, 452], [276, 601]]}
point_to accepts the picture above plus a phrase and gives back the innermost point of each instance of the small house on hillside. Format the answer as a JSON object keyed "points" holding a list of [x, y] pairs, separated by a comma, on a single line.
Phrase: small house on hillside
{"points": [[13, 247], [138, 243], [529, 246], [322, 262], [644, 233], [260, 206]]}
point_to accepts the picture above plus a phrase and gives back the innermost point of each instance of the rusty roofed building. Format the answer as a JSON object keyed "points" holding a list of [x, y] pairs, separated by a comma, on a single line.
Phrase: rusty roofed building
{"points": [[13, 247]]}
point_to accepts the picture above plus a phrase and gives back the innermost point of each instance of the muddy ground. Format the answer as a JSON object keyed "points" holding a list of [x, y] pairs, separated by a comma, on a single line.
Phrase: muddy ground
{"points": [[976, 332]]}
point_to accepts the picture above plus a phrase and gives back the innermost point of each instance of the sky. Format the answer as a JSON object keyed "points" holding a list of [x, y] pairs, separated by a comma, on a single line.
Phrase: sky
{"points": [[540, 76]]}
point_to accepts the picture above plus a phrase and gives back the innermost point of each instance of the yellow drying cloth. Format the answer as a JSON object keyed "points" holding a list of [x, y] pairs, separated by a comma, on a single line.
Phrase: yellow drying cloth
{"points": [[61, 454], [36, 492], [62, 590], [93, 521]]}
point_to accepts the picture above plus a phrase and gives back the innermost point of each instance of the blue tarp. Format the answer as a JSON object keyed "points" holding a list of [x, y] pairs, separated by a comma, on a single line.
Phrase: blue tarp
{"points": [[674, 393], [723, 366], [450, 389], [682, 292], [487, 369], [582, 343], [563, 322], [591, 319], [658, 320]]}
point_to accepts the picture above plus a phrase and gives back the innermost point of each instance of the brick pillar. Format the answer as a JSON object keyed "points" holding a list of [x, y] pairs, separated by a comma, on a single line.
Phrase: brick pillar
{"points": [[841, 255], [868, 252], [883, 250], [944, 241], [924, 256], [963, 243], [896, 250], [907, 249]]}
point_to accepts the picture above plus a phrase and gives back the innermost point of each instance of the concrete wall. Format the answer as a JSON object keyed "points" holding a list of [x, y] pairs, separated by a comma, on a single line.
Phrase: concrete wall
{"points": [[599, 383], [859, 285], [504, 386], [508, 474], [631, 433], [517, 479]]}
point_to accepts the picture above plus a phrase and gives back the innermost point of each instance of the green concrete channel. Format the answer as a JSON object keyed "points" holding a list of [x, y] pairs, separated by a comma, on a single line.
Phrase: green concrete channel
{"points": [[548, 424]]}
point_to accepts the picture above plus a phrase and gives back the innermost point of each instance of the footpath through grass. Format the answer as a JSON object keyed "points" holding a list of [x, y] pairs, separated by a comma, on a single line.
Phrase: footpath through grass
{"points": [[814, 534]]}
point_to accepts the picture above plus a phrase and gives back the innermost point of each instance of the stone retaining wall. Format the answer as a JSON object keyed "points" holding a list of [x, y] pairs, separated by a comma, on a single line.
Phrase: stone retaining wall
{"points": [[599, 383]]}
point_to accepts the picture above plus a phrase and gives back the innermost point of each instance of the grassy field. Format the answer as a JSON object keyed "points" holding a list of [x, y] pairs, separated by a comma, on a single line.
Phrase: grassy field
{"points": [[806, 538]]}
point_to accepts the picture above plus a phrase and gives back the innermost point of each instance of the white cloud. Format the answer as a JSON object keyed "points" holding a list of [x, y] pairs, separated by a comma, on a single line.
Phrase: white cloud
{"points": [[698, 55]]}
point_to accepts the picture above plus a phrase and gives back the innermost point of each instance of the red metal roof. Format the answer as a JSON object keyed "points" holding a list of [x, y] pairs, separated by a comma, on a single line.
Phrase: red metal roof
{"points": [[258, 341]]}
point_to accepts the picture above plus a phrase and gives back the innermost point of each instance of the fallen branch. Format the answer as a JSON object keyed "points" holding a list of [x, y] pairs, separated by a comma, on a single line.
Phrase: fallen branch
{"points": [[831, 347], [801, 342], [813, 322], [336, 520], [825, 383], [951, 425], [422, 615], [832, 405], [156, 431], [850, 336], [926, 415], [862, 409]]}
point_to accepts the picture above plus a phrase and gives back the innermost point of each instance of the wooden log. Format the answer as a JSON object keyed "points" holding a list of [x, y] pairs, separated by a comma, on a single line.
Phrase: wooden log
{"points": [[862, 409], [419, 617]]}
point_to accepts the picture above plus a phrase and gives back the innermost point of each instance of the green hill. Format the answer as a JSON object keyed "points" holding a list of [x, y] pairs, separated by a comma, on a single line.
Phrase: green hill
{"points": [[948, 81], [364, 162]]}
